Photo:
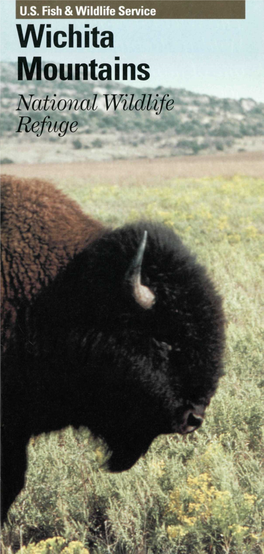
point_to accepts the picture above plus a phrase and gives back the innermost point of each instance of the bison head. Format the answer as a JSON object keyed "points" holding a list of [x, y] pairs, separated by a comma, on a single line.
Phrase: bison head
{"points": [[147, 329]]}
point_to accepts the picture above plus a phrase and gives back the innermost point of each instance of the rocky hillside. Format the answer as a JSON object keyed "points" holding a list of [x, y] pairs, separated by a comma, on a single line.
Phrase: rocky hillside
{"points": [[197, 124]]}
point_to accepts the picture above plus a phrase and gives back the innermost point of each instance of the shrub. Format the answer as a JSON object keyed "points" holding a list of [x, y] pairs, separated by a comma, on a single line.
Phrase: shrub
{"points": [[6, 161], [77, 144], [97, 143]]}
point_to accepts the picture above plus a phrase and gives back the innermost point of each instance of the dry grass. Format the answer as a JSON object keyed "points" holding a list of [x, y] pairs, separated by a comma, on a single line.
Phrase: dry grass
{"points": [[145, 171]]}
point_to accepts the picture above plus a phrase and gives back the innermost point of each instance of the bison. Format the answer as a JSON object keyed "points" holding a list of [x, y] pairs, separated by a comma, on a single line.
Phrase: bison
{"points": [[119, 330]]}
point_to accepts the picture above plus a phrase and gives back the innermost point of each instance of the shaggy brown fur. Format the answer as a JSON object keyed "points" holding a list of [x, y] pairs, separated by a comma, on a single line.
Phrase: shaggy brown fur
{"points": [[42, 229]]}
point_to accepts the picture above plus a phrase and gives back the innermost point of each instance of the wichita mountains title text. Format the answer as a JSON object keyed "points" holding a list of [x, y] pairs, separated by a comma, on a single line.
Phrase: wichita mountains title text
{"points": [[43, 35]]}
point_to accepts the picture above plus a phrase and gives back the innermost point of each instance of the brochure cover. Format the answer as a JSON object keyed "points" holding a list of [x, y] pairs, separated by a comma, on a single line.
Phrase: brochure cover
{"points": [[132, 172]]}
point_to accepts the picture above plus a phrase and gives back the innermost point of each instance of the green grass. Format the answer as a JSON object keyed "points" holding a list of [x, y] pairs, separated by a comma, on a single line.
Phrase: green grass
{"points": [[199, 495]]}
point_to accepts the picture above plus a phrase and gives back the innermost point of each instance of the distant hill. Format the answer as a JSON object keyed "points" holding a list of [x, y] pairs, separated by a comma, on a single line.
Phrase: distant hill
{"points": [[198, 123]]}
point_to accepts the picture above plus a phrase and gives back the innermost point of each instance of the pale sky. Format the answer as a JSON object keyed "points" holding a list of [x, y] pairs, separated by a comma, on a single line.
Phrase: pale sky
{"points": [[217, 57]]}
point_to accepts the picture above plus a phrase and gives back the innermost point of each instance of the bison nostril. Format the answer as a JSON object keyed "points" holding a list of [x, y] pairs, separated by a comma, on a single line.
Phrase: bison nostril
{"points": [[194, 420]]}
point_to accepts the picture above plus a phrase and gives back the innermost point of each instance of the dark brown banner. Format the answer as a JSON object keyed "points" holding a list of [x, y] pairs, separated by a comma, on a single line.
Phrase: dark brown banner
{"points": [[129, 9]]}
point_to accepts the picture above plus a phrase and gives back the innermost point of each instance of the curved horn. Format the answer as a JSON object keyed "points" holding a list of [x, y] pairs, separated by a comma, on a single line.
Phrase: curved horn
{"points": [[143, 295]]}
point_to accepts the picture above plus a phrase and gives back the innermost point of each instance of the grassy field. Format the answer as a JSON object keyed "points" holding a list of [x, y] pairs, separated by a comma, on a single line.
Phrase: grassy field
{"points": [[202, 494], [141, 171]]}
